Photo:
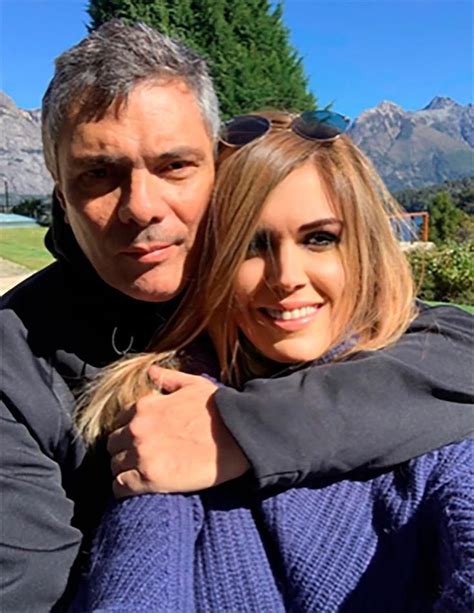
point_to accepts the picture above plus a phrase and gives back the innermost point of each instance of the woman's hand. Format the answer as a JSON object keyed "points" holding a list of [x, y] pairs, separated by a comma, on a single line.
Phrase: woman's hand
{"points": [[175, 442]]}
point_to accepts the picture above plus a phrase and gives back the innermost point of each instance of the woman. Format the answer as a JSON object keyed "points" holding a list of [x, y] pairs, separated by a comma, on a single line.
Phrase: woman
{"points": [[310, 273]]}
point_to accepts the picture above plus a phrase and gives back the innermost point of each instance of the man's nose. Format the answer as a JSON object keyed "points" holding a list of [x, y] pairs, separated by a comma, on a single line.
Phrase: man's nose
{"points": [[287, 269], [143, 200]]}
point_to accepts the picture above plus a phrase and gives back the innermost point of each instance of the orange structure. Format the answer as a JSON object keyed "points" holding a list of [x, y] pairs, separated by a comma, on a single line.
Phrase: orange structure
{"points": [[412, 227]]}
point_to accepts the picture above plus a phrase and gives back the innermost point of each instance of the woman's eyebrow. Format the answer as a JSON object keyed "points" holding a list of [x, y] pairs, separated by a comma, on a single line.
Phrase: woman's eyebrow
{"points": [[319, 223], [264, 231]]}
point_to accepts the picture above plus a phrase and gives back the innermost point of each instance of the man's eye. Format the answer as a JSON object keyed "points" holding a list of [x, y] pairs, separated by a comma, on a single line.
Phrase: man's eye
{"points": [[98, 180], [317, 240], [96, 173], [178, 167]]}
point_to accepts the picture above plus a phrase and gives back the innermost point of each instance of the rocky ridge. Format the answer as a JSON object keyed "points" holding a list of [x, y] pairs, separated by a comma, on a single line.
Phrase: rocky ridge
{"points": [[410, 149], [21, 152], [417, 148]]}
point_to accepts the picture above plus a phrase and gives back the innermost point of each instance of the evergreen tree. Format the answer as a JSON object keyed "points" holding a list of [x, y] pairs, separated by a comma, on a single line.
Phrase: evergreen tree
{"points": [[445, 218], [246, 43]]}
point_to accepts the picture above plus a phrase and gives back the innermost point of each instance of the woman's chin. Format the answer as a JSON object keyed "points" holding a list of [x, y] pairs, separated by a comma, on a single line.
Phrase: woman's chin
{"points": [[292, 351]]}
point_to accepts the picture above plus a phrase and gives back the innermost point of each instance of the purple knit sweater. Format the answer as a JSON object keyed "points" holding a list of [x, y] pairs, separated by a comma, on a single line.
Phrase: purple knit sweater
{"points": [[401, 542]]}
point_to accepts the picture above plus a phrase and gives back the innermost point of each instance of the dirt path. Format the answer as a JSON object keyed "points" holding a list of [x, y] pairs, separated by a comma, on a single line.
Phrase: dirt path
{"points": [[11, 274]]}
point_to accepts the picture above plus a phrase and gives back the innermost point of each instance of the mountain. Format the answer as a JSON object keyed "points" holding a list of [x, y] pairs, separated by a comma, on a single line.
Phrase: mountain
{"points": [[416, 148], [21, 152], [410, 149]]}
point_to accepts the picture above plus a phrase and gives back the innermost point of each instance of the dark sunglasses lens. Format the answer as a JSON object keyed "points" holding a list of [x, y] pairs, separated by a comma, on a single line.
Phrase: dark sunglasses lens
{"points": [[320, 125], [244, 129]]}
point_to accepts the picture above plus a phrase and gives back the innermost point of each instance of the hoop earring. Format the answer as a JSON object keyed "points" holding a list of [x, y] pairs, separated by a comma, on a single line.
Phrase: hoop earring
{"points": [[114, 346]]}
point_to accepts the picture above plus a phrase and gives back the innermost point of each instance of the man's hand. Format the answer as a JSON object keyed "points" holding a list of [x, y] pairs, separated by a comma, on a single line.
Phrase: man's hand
{"points": [[175, 442]]}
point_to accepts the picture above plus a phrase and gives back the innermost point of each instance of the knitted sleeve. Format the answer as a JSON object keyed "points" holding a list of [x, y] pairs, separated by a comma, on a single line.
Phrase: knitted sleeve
{"points": [[452, 502], [142, 557]]}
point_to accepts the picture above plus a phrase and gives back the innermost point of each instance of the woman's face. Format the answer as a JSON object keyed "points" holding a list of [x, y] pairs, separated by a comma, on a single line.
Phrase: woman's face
{"points": [[290, 287]]}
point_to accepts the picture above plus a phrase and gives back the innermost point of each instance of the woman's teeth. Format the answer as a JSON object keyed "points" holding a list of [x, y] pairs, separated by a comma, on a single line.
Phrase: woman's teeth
{"points": [[293, 314]]}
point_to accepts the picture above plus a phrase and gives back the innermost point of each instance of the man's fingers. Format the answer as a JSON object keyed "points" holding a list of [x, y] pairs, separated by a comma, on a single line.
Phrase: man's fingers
{"points": [[124, 417], [119, 440], [170, 380], [174, 442], [129, 483], [123, 461]]}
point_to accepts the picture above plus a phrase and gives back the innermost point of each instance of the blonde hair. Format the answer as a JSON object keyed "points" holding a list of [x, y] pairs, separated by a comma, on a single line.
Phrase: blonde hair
{"points": [[379, 301]]}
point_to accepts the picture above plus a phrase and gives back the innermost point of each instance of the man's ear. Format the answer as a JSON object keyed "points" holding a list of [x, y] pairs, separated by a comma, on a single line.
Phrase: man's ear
{"points": [[59, 197]]}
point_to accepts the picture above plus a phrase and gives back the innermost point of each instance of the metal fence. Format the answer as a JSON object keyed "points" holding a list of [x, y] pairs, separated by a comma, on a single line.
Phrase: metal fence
{"points": [[411, 227]]}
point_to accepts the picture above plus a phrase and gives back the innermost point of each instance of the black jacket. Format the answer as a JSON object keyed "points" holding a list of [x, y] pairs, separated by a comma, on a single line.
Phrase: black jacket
{"points": [[60, 325]]}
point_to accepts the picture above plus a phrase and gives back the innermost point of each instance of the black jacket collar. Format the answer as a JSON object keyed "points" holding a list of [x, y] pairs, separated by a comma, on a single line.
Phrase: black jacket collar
{"points": [[94, 292]]}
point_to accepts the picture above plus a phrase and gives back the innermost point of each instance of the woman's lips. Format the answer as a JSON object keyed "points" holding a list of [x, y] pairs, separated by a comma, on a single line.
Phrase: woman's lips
{"points": [[291, 320]]}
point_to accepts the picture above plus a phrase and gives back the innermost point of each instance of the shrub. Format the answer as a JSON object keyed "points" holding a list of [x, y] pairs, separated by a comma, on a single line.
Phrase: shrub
{"points": [[37, 208], [445, 273]]}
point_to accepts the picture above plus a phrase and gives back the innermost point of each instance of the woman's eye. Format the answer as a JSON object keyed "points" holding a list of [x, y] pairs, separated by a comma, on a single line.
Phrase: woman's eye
{"points": [[258, 246], [321, 239]]}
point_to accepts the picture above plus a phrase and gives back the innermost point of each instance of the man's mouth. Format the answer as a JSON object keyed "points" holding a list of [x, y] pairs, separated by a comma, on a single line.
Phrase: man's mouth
{"points": [[150, 253]]}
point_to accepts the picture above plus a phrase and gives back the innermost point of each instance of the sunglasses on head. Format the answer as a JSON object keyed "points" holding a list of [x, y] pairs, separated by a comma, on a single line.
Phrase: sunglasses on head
{"points": [[312, 125]]}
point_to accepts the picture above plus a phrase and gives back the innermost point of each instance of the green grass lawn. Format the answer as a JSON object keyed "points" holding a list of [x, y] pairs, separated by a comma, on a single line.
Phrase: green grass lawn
{"points": [[467, 307], [25, 246]]}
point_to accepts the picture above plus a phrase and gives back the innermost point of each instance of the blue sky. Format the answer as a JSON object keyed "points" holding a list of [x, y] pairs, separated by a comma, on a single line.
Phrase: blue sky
{"points": [[356, 52]]}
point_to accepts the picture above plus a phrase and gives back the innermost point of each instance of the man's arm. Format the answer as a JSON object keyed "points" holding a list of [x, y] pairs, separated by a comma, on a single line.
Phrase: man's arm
{"points": [[38, 545], [375, 410]]}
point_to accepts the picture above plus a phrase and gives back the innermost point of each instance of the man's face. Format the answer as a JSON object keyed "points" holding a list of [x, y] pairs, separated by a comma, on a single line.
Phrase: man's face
{"points": [[134, 187]]}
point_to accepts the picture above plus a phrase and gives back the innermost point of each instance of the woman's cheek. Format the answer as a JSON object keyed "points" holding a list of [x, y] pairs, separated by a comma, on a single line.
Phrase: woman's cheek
{"points": [[249, 279]]}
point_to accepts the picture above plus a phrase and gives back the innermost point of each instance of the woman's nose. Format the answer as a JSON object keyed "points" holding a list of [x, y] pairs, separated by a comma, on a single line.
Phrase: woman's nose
{"points": [[287, 269]]}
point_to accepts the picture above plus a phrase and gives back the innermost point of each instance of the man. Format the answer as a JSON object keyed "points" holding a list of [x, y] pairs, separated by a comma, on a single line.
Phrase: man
{"points": [[129, 127]]}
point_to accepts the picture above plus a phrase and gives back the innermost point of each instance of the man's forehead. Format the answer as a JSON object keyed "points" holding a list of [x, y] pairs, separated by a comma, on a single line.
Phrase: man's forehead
{"points": [[164, 95], [154, 117]]}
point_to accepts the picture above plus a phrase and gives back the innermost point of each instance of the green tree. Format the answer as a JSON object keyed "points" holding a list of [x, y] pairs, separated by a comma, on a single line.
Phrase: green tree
{"points": [[466, 199], [29, 207], [37, 208], [445, 218], [246, 43]]}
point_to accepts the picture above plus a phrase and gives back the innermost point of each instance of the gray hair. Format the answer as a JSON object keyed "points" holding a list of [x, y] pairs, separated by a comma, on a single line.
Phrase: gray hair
{"points": [[106, 65]]}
